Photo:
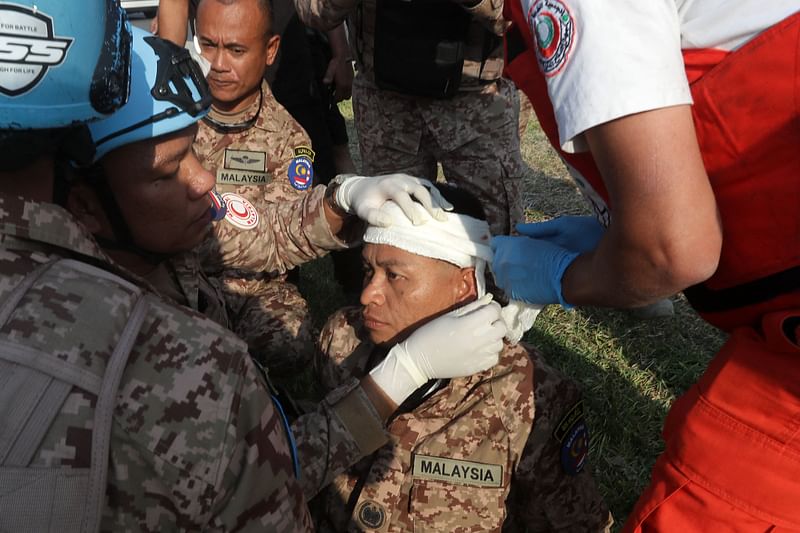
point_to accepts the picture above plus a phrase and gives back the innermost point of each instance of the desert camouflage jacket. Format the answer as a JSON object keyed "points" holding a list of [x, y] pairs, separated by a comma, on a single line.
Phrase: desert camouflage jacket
{"points": [[196, 442], [463, 459], [267, 163], [450, 460], [345, 426], [276, 238], [257, 162]]}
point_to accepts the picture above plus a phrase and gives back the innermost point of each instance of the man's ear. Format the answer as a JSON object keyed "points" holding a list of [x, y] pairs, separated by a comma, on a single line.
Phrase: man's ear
{"points": [[466, 288], [85, 206], [273, 44]]}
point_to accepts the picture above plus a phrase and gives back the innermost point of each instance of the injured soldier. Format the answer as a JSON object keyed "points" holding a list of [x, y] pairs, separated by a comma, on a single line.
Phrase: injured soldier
{"points": [[503, 448]]}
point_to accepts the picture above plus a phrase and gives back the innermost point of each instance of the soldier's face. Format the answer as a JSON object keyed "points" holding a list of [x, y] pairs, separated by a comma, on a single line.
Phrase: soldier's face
{"points": [[162, 192], [237, 41], [403, 291]]}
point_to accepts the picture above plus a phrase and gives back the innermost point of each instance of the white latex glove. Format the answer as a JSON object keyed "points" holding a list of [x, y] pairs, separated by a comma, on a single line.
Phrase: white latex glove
{"points": [[459, 343], [363, 196]]}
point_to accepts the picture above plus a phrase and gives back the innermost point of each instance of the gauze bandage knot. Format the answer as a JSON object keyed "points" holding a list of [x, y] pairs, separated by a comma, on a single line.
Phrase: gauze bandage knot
{"points": [[460, 240]]}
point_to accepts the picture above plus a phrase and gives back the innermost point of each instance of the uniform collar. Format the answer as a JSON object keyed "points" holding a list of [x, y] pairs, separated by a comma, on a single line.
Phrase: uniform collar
{"points": [[241, 120], [40, 222]]}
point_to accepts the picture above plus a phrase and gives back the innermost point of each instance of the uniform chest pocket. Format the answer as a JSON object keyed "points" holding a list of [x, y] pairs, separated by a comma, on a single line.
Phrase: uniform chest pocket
{"points": [[454, 495]]}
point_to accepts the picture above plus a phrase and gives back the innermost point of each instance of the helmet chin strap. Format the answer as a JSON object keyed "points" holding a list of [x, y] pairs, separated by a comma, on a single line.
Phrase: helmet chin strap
{"points": [[75, 147]]}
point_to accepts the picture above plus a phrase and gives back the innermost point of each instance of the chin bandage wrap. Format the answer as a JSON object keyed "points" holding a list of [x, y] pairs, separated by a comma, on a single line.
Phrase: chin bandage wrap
{"points": [[460, 240]]}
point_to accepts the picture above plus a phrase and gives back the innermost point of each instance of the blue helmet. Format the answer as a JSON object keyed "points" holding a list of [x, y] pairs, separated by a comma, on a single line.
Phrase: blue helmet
{"points": [[62, 62], [168, 93]]}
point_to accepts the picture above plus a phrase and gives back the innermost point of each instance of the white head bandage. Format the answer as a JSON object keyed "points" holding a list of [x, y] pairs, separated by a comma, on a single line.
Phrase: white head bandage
{"points": [[461, 240]]}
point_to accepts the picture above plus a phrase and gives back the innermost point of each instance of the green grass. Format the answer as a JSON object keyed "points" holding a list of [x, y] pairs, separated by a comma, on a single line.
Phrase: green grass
{"points": [[630, 370]]}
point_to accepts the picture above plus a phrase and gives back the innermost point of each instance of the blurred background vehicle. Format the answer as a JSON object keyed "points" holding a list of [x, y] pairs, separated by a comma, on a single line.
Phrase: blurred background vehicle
{"points": [[146, 7]]}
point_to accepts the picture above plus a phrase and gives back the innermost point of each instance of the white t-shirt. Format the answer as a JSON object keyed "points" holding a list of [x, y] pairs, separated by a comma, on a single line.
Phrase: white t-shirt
{"points": [[605, 60]]}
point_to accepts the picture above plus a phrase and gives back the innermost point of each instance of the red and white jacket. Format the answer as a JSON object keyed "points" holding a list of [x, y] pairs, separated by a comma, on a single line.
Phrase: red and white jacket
{"points": [[583, 63]]}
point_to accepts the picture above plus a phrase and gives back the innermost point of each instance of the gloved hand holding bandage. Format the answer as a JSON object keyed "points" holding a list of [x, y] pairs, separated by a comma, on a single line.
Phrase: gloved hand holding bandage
{"points": [[576, 234], [530, 267], [530, 270], [364, 196], [459, 343]]}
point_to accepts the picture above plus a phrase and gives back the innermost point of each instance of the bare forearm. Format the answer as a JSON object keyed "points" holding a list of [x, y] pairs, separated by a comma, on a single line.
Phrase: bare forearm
{"points": [[619, 276], [665, 234], [338, 41], [173, 16]]}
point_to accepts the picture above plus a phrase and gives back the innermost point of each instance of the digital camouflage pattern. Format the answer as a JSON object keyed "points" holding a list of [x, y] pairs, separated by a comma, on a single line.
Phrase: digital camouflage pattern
{"points": [[545, 495], [487, 424], [249, 312], [265, 310], [255, 163], [345, 426], [472, 135], [450, 460], [197, 443], [525, 113], [286, 235]]}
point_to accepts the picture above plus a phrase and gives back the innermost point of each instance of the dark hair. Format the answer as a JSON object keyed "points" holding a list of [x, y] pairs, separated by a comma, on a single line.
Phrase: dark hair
{"points": [[464, 202]]}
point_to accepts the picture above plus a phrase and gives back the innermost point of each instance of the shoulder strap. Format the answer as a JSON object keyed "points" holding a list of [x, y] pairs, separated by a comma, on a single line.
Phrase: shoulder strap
{"points": [[33, 388]]}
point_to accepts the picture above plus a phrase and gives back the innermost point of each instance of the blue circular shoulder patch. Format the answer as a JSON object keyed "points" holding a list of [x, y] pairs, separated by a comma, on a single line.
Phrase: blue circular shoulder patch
{"points": [[371, 514], [301, 173], [575, 448]]}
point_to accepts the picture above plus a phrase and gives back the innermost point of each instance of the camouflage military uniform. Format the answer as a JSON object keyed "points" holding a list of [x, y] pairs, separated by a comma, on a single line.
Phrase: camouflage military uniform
{"points": [[473, 134], [450, 460], [256, 164], [345, 427], [196, 442], [454, 457], [552, 489]]}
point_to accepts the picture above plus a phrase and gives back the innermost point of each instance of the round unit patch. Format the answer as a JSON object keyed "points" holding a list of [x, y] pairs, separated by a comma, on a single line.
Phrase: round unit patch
{"points": [[301, 173], [575, 448], [239, 211], [371, 514], [553, 29]]}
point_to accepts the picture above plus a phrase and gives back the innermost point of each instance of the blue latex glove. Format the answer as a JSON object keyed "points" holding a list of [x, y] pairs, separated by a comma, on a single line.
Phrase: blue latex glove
{"points": [[531, 269], [578, 234]]}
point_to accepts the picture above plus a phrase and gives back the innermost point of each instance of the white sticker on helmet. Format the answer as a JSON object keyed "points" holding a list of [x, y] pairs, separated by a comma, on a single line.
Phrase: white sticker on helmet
{"points": [[28, 48]]}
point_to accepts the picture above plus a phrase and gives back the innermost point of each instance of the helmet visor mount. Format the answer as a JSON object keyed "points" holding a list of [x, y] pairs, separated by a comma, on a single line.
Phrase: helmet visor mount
{"points": [[175, 66], [179, 81]]}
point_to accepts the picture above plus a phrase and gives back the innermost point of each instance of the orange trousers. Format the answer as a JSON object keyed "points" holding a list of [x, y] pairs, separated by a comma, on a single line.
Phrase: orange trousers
{"points": [[732, 456]]}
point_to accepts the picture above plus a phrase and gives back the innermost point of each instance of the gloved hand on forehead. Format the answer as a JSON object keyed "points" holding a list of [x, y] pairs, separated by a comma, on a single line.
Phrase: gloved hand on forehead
{"points": [[531, 270], [363, 196], [460, 343]]}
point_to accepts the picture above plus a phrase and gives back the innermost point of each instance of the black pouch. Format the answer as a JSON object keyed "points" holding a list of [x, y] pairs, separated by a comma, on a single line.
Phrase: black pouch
{"points": [[419, 46]]}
